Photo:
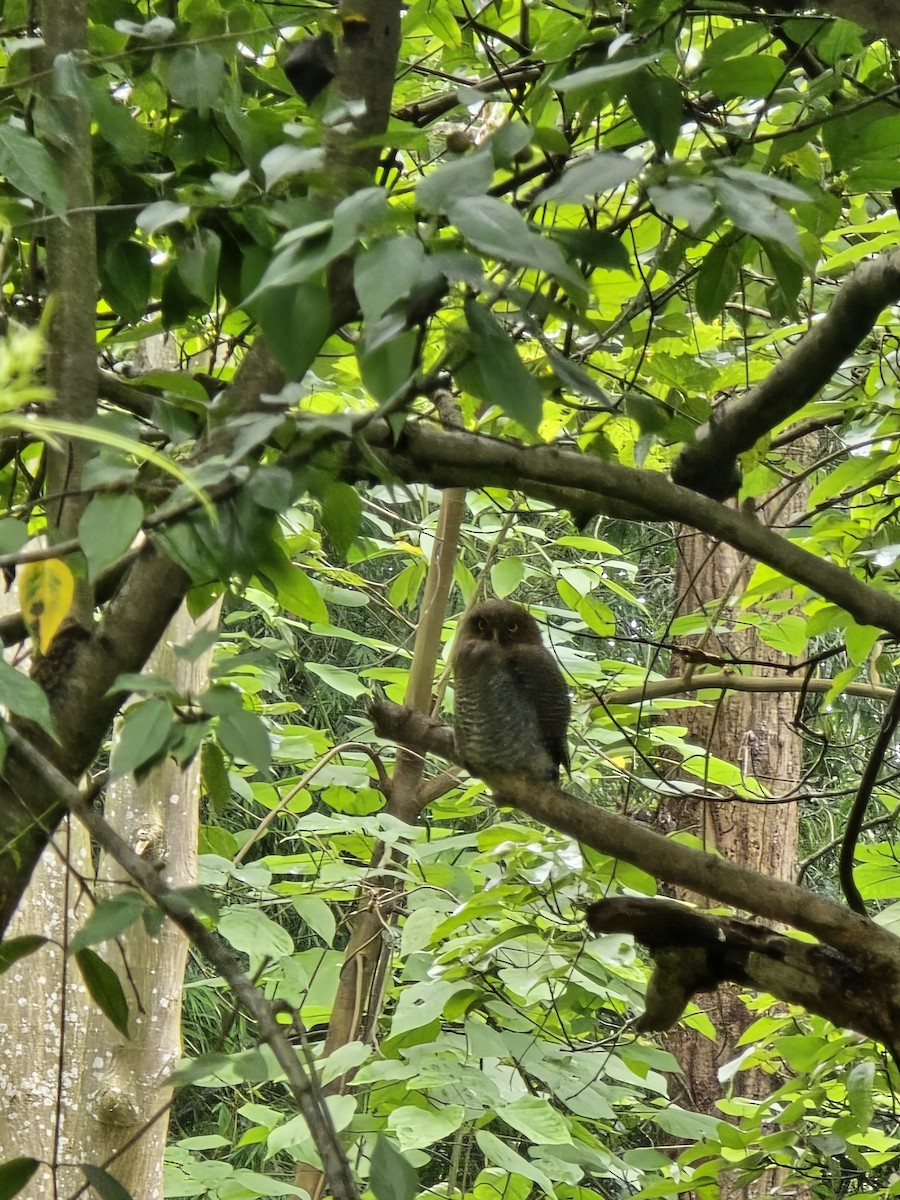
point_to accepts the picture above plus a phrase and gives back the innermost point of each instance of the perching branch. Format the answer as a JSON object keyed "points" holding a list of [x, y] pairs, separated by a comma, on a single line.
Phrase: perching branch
{"points": [[861, 940]]}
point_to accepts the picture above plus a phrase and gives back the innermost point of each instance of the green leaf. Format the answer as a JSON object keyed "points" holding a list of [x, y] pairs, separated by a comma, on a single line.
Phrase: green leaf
{"points": [[315, 913], [601, 172], [296, 322], [198, 263], [691, 202], [14, 1174], [104, 987], [346, 682], [109, 919], [391, 1177], [469, 176], [252, 932], [214, 774], [754, 76], [499, 230], [245, 737], [24, 697], [13, 535], [386, 369], [12, 949], [860, 1094], [537, 1119], [293, 588], [196, 77], [656, 102], [717, 279], [107, 528], [416, 1127], [341, 507], [387, 273], [615, 68], [104, 1184], [161, 213], [504, 379], [503, 1156], [506, 575], [28, 167], [143, 735]]}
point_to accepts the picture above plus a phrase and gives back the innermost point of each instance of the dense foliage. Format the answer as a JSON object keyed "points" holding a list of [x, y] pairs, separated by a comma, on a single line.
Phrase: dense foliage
{"points": [[554, 254]]}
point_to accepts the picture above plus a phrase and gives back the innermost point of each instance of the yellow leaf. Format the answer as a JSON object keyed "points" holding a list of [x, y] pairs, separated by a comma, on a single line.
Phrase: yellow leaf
{"points": [[46, 591]]}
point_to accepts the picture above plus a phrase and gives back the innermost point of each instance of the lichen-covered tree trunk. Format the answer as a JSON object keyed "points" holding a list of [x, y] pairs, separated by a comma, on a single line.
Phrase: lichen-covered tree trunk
{"points": [[757, 731], [72, 1089]]}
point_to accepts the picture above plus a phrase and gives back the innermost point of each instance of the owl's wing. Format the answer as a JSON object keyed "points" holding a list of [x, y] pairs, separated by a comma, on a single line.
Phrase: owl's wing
{"points": [[537, 676]]}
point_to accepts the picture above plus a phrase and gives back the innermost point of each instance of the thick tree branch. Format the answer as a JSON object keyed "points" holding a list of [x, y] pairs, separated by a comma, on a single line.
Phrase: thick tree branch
{"points": [[865, 944], [707, 464], [425, 454], [695, 952]]}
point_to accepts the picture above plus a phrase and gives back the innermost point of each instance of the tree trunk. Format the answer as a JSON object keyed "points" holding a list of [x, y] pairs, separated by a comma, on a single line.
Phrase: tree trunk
{"points": [[73, 1089], [756, 731]]}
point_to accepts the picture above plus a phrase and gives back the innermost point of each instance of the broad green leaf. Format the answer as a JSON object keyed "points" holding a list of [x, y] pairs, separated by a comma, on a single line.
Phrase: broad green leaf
{"points": [[104, 1184], [244, 736], [601, 172], [341, 507], [391, 1176], [104, 987], [717, 279], [386, 273], [315, 913], [691, 202], [142, 736], [506, 575], [421, 1003], [615, 68], [110, 918], [198, 263], [387, 369], [499, 230], [453, 181], [13, 535], [343, 681], [656, 101], [214, 776], [253, 933], [296, 322], [24, 697], [108, 527], [196, 77], [497, 1152], [537, 1119], [504, 379], [416, 1127], [161, 213], [12, 949], [860, 1093], [14, 1174], [27, 166], [293, 587]]}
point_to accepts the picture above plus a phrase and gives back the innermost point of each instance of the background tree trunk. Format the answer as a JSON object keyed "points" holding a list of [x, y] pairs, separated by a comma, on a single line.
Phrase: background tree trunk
{"points": [[755, 730], [109, 1089]]}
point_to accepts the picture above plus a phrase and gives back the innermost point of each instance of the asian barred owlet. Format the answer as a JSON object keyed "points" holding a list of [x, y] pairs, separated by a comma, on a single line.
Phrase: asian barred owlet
{"points": [[511, 702]]}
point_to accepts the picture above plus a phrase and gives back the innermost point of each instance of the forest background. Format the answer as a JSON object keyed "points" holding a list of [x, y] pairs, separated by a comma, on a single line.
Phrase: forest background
{"points": [[322, 323]]}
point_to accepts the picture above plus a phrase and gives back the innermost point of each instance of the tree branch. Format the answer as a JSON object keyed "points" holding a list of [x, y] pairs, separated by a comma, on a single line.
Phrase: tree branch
{"points": [[708, 463], [865, 944], [450, 458]]}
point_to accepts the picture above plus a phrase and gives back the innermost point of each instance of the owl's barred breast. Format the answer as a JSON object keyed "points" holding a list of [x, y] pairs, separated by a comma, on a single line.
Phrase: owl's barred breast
{"points": [[510, 698]]}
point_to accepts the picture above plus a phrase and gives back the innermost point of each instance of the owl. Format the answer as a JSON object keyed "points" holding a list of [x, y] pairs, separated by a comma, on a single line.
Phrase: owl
{"points": [[510, 699]]}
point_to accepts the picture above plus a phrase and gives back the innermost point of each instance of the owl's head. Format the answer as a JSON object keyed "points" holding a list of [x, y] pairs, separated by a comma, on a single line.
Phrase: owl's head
{"points": [[502, 622]]}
